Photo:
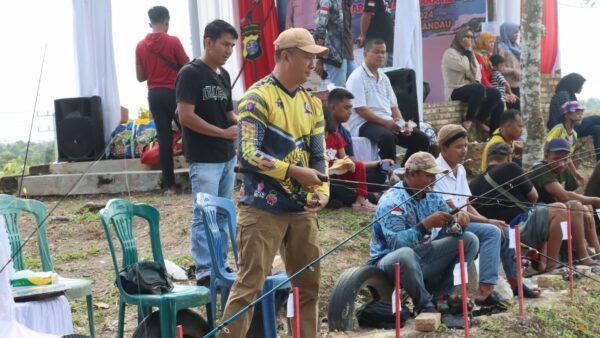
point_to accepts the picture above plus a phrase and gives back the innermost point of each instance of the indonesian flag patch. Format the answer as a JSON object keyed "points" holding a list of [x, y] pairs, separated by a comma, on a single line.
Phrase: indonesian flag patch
{"points": [[397, 211]]}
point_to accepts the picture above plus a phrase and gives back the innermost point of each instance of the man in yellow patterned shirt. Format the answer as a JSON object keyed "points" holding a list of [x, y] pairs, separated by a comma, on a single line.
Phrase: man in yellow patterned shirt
{"points": [[511, 126], [282, 146]]}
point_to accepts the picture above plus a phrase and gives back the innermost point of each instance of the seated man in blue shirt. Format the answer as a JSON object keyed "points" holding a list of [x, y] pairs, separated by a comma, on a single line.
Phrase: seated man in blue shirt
{"points": [[403, 234]]}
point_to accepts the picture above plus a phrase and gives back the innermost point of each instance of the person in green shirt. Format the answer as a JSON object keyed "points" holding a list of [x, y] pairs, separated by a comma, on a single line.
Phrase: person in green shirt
{"points": [[556, 184]]}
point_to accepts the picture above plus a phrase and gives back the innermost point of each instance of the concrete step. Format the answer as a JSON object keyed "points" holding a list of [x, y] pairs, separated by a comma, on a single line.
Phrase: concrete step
{"points": [[100, 183], [104, 166]]}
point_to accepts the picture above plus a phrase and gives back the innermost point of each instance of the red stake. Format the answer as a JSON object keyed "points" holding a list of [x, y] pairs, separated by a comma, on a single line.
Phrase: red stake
{"points": [[519, 270], [570, 248], [296, 312], [463, 277], [397, 299], [179, 331]]}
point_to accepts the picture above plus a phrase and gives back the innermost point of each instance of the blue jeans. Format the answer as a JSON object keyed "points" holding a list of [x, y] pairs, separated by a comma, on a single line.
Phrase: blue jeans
{"points": [[216, 179], [339, 75], [435, 262], [491, 249], [590, 126]]}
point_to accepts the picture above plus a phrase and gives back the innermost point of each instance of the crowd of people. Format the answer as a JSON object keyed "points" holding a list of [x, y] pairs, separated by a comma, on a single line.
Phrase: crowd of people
{"points": [[287, 141]]}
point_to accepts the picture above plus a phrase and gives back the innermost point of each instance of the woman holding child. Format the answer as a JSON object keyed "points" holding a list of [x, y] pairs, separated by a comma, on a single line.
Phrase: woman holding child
{"points": [[463, 82]]}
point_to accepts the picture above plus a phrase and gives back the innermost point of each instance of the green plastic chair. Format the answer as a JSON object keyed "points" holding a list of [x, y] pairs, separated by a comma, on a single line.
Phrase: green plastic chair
{"points": [[10, 208], [120, 213]]}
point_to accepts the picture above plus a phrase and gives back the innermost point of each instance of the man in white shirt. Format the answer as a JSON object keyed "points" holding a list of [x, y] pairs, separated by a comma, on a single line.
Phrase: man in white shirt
{"points": [[492, 234], [376, 115]]}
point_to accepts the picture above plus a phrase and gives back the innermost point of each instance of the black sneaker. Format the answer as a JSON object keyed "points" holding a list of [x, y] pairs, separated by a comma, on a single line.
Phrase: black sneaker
{"points": [[204, 281]]}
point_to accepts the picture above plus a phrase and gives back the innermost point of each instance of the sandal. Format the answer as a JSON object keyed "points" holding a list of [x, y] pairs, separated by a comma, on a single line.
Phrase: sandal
{"points": [[364, 206], [528, 292]]}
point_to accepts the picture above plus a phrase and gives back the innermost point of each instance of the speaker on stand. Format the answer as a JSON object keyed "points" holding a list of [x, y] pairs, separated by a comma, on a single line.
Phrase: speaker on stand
{"points": [[404, 84], [79, 129]]}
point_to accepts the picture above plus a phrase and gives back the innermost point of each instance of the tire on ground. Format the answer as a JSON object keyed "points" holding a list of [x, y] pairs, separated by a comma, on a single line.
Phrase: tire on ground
{"points": [[342, 300], [194, 326]]}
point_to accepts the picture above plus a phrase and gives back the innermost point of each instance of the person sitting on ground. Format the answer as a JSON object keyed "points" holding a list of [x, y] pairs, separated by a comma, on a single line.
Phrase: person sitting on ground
{"points": [[453, 144], [376, 115], [539, 223], [339, 107], [462, 77], [566, 90], [555, 183], [572, 113], [341, 166], [402, 234], [511, 126], [499, 81]]}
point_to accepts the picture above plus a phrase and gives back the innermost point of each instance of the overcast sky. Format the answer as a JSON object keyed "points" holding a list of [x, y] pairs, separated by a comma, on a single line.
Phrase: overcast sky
{"points": [[32, 24]]}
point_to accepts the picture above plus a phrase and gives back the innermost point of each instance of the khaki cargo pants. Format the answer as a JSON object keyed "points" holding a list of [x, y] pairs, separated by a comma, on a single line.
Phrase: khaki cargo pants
{"points": [[259, 235]]}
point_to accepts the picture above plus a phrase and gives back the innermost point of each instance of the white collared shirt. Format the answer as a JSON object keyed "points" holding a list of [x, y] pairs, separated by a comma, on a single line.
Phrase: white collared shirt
{"points": [[453, 184], [374, 93]]}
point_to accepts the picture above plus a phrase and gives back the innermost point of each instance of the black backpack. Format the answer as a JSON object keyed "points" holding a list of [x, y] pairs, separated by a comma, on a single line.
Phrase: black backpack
{"points": [[378, 314], [146, 277]]}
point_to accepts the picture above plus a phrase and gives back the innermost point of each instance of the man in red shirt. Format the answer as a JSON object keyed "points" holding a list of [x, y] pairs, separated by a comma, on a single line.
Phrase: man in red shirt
{"points": [[158, 58]]}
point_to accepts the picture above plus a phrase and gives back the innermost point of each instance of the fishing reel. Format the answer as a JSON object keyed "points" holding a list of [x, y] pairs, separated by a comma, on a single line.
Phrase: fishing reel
{"points": [[453, 227], [306, 198]]}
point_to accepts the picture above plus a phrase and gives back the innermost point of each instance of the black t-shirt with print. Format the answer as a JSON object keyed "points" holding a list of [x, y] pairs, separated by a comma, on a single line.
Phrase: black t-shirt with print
{"points": [[381, 26], [501, 173], [210, 92]]}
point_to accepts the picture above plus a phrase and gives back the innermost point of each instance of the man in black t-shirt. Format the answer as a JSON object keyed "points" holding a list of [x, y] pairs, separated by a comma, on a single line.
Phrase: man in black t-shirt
{"points": [[377, 23], [539, 224], [203, 90]]}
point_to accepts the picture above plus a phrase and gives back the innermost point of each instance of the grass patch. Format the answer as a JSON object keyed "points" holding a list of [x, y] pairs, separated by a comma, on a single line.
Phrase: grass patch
{"points": [[85, 216], [77, 254], [184, 260]]}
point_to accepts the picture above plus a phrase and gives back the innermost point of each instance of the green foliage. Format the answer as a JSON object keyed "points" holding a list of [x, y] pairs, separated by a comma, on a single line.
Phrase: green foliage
{"points": [[13, 154], [592, 105]]}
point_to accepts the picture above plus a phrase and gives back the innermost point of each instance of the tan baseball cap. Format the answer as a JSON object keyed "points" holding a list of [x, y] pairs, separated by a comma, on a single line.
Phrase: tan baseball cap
{"points": [[425, 162], [299, 38]]}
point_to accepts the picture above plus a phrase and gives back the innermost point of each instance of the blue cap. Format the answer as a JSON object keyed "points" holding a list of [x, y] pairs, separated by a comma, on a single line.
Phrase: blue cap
{"points": [[558, 144]]}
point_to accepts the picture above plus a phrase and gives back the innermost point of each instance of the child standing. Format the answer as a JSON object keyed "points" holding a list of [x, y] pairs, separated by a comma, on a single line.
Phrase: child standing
{"points": [[498, 80], [342, 167], [571, 115]]}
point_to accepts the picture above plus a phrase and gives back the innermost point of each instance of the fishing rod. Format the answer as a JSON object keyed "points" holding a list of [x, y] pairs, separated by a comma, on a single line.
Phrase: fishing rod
{"points": [[37, 93], [493, 199], [543, 171], [225, 323], [62, 199], [560, 264]]}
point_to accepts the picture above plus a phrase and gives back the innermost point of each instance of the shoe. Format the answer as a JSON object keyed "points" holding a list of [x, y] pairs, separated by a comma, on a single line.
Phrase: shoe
{"points": [[429, 308], [204, 281], [493, 299], [364, 206]]}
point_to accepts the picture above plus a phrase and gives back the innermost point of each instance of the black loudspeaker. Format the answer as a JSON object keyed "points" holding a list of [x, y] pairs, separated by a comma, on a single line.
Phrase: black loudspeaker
{"points": [[79, 128], [404, 85]]}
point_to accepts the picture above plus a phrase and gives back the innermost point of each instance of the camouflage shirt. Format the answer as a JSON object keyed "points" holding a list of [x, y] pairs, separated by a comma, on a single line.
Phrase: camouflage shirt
{"points": [[329, 27]]}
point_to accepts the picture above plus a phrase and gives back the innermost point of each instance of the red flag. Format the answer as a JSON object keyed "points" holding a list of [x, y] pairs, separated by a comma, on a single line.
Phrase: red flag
{"points": [[258, 26], [550, 39]]}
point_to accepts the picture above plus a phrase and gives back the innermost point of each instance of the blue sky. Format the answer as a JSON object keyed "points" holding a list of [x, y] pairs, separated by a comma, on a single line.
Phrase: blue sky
{"points": [[34, 23]]}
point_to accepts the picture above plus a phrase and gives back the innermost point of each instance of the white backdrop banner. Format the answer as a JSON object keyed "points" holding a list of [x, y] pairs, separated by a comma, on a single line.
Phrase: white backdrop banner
{"points": [[94, 58]]}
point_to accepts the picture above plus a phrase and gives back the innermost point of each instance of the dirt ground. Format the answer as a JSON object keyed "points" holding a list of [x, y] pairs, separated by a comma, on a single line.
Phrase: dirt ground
{"points": [[79, 249]]}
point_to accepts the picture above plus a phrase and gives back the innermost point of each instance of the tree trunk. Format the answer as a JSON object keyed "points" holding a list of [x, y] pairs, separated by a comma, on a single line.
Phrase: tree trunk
{"points": [[531, 33]]}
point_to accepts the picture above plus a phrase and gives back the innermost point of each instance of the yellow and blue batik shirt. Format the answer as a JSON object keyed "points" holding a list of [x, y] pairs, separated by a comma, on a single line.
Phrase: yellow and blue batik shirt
{"points": [[278, 129], [559, 131]]}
